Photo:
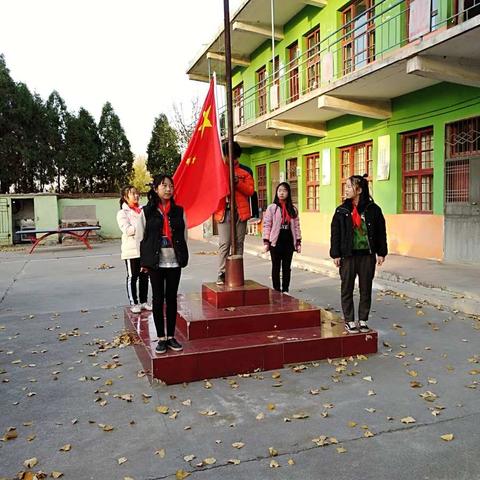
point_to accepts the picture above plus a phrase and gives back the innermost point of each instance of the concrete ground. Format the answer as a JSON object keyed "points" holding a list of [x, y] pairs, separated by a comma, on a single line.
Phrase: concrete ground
{"points": [[360, 418]]}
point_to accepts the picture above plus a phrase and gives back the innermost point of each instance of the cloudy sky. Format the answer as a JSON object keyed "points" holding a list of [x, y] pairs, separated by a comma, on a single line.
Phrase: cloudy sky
{"points": [[133, 53]]}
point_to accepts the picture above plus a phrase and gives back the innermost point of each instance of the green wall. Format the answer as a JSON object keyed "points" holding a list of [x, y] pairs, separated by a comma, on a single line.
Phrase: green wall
{"points": [[430, 107]]}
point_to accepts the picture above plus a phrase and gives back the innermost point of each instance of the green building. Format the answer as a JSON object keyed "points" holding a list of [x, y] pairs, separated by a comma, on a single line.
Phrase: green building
{"points": [[324, 89]]}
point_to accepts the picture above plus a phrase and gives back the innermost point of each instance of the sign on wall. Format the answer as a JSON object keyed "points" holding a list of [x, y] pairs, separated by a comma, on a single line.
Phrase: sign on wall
{"points": [[326, 168], [383, 165]]}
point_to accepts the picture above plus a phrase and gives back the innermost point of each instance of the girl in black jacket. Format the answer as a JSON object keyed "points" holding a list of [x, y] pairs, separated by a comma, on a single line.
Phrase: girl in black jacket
{"points": [[358, 242], [163, 253]]}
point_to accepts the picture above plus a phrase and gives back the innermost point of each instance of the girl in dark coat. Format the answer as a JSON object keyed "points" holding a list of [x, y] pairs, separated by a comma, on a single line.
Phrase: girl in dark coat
{"points": [[358, 243], [163, 253]]}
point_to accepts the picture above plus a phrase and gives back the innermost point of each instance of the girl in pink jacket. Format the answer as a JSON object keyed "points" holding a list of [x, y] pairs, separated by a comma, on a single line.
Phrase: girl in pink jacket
{"points": [[281, 235]]}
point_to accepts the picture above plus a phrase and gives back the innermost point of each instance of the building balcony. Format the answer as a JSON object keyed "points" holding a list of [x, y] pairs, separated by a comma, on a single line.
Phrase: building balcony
{"points": [[389, 50]]}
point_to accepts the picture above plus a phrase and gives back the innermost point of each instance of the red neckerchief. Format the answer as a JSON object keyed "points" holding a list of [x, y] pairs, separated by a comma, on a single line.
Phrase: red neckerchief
{"points": [[135, 208], [166, 225], [356, 218], [285, 215]]}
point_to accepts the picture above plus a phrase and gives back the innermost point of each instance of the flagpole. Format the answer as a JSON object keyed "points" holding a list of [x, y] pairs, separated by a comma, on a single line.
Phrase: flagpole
{"points": [[228, 87], [234, 270]]}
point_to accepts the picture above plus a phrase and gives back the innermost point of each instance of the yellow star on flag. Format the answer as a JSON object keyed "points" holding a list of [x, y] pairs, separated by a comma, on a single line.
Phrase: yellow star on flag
{"points": [[206, 122], [191, 160]]}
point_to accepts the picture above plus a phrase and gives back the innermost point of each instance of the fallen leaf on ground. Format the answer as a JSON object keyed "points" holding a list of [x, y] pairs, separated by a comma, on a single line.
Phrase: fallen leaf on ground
{"points": [[66, 448], [300, 416], [260, 416], [30, 462], [341, 450], [272, 452], [274, 464], [234, 461], [368, 434], [238, 445], [210, 461], [162, 409], [291, 461], [160, 452], [448, 437], [10, 434], [189, 458], [122, 460], [408, 420], [368, 378], [56, 474], [181, 474], [352, 424], [271, 406]]}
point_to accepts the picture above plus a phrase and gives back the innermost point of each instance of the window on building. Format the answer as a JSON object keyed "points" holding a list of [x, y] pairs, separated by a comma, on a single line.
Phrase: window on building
{"points": [[238, 109], [417, 164], [262, 186], [462, 142], [292, 179], [356, 160], [313, 59], [313, 182], [262, 91], [358, 42], [292, 70]]}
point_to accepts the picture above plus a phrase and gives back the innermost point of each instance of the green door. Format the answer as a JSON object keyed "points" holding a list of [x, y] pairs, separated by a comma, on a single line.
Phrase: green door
{"points": [[5, 222]]}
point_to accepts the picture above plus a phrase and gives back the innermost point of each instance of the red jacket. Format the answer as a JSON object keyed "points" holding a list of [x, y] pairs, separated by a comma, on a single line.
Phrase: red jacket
{"points": [[244, 189]]}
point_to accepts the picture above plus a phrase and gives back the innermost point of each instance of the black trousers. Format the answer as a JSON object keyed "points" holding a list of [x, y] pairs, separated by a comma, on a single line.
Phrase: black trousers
{"points": [[165, 283], [134, 275], [281, 259], [350, 267]]}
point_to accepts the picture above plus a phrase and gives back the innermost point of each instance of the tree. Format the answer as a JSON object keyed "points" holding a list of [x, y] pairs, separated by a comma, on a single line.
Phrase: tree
{"points": [[185, 125], [82, 146], [57, 119], [116, 158], [10, 135], [140, 175], [162, 151]]}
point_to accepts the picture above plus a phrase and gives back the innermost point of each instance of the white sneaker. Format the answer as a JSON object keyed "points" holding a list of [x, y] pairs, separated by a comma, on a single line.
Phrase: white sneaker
{"points": [[136, 308], [146, 306]]}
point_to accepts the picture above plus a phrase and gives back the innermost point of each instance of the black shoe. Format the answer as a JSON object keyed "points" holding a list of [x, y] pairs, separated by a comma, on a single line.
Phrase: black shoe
{"points": [[363, 326], [221, 279], [172, 344], [351, 327], [161, 346]]}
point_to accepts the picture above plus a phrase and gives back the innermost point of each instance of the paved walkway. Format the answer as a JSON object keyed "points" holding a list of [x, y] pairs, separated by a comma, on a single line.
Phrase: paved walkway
{"points": [[452, 285]]}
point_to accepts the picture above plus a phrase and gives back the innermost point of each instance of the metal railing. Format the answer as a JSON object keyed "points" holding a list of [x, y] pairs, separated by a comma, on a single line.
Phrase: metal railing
{"points": [[369, 37]]}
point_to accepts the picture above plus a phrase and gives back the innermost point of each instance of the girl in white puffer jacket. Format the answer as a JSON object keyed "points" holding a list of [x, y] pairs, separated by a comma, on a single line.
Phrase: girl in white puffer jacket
{"points": [[127, 218]]}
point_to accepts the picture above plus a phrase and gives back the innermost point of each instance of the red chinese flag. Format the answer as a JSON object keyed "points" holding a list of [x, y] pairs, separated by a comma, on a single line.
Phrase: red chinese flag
{"points": [[201, 179]]}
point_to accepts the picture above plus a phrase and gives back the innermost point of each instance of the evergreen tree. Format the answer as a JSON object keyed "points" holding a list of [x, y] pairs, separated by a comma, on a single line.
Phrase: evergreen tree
{"points": [[82, 147], [25, 114], [57, 119], [162, 151], [10, 136], [116, 158]]}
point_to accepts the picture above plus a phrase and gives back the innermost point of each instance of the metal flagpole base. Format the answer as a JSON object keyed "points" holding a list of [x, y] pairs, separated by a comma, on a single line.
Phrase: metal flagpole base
{"points": [[234, 271]]}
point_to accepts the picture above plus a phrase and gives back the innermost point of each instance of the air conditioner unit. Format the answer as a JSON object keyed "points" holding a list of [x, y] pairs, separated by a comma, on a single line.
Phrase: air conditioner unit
{"points": [[274, 100]]}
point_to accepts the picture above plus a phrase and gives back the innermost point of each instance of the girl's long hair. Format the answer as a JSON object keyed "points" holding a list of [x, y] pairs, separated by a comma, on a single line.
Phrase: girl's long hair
{"points": [[123, 194], [292, 211], [152, 196], [359, 181]]}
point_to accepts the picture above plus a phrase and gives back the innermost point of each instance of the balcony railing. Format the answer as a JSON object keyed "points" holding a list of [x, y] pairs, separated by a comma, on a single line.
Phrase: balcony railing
{"points": [[369, 37]]}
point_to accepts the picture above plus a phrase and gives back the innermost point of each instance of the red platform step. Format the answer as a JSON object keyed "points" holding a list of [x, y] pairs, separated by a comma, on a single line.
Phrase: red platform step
{"points": [[227, 341], [251, 293], [199, 319]]}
